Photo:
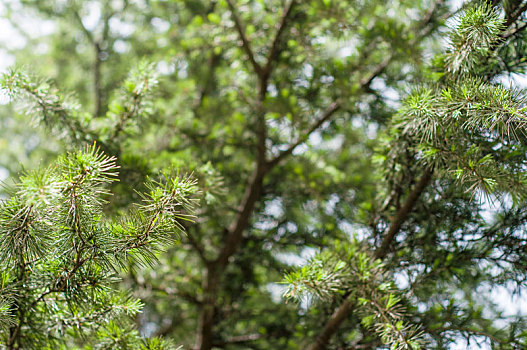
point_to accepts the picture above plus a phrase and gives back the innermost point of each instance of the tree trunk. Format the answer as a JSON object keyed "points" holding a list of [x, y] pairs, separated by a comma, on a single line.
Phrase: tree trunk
{"points": [[206, 311]]}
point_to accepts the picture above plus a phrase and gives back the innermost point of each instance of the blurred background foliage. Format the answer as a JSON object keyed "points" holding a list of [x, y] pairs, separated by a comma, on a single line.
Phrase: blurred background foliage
{"points": [[290, 102]]}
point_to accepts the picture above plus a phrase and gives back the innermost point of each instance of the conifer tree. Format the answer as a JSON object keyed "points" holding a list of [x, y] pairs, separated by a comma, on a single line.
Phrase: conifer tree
{"points": [[282, 110]]}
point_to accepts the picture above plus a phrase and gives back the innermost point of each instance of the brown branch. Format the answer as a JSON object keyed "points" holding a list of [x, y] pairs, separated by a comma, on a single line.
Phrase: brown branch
{"points": [[97, 81], [333, 324], [96, 64], [85, 30], [98, 91], [429, 18], [197, 247], [514, 32], [515, 15], [328, 113], [251, 196], [471, 332], [245, 41], [376, 72], [254, 188], [509, 22], [402, 214], [239, 339], [207, 308], [274, 51], [430, 13]]}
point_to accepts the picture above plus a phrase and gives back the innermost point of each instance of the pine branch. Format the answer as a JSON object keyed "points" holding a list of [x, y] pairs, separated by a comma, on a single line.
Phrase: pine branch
{"points": [[70, 284], [474, 40], [59, 113], [347, 269], [135, 100]]}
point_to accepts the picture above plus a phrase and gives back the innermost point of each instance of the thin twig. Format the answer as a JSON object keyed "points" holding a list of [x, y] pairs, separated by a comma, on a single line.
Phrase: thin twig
{"points": [[245, 41]]}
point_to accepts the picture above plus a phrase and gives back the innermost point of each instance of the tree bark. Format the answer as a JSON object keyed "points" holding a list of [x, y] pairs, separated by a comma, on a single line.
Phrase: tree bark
{"points": [[204, 340], [332, 325], [402, 214]]}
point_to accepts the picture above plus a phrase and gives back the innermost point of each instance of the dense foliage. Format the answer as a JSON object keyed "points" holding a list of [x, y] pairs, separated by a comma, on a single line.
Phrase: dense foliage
{"points": [[60, 258], [347, 131]]}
